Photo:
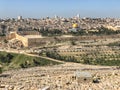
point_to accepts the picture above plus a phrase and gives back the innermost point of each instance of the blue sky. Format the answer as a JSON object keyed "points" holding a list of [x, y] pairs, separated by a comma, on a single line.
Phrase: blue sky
{"points": [[64, 8]]}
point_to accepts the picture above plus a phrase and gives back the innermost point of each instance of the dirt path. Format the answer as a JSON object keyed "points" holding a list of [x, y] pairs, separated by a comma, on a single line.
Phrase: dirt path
{"points": [[46, 58], [15, 51]]}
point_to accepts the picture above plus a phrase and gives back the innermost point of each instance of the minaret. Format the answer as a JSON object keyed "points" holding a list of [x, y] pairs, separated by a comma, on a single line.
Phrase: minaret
{"points": [[56, 17], [19, 18], [78, 16]]}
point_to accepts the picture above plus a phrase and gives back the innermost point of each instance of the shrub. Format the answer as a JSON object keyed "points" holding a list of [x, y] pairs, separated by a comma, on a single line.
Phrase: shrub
{"points": [[0, 70]]}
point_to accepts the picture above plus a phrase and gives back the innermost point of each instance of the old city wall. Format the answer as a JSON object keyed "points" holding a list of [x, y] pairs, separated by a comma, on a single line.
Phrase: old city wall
{"points": [[44, 41], [78, 38], [12, 35], [39, 41], [33, 42], [23, 39]]}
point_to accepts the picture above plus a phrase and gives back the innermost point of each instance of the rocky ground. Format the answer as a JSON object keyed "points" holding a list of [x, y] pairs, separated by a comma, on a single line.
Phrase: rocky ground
{"points": [[60, 77]]}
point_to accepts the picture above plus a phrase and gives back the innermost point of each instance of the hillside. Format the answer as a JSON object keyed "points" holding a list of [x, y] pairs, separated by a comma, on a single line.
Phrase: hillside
{"points": [[60, 77], [15, 61]]}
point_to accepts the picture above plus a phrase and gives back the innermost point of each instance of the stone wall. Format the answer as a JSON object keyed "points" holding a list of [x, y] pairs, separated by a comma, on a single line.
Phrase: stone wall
{"points": [[31, 42], [28, 32], [36, 42], [23, 39]]}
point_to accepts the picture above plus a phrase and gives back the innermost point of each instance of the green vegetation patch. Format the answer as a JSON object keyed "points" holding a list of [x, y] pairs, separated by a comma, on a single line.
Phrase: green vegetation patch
{"points": [[15, 61], [106, 61], [114, 44], [101, 61]]}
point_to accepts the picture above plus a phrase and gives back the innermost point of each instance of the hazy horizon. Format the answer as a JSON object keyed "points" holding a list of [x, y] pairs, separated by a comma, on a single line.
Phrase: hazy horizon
{"points": [[62, 8]]}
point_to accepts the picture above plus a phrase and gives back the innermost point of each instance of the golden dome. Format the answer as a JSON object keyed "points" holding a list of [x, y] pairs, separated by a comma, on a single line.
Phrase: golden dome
{"points": [[75, 25]]}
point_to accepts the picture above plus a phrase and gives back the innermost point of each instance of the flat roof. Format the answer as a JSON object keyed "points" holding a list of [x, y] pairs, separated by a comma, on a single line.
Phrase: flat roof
{"points": [[33, 36], [82, 74], [67, 36], [40, 36]]}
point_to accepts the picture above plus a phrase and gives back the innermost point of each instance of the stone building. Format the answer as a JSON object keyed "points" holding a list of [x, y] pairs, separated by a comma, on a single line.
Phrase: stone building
{"points": [[83, 77], [30, 40]]}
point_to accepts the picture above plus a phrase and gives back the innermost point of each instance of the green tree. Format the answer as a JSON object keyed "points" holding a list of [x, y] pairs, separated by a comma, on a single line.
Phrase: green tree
{"points": [[3, 29], [0, 70], [37, 63], [9, 57], [5, 41], [73, 43], [86, 61]]}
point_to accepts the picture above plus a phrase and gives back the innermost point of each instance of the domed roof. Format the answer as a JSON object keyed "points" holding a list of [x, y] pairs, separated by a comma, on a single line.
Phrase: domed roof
{"points": [[75, 25]]}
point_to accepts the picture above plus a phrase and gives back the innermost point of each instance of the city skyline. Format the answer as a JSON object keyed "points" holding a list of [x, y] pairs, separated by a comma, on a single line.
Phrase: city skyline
{"points": [[63, 8]]}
